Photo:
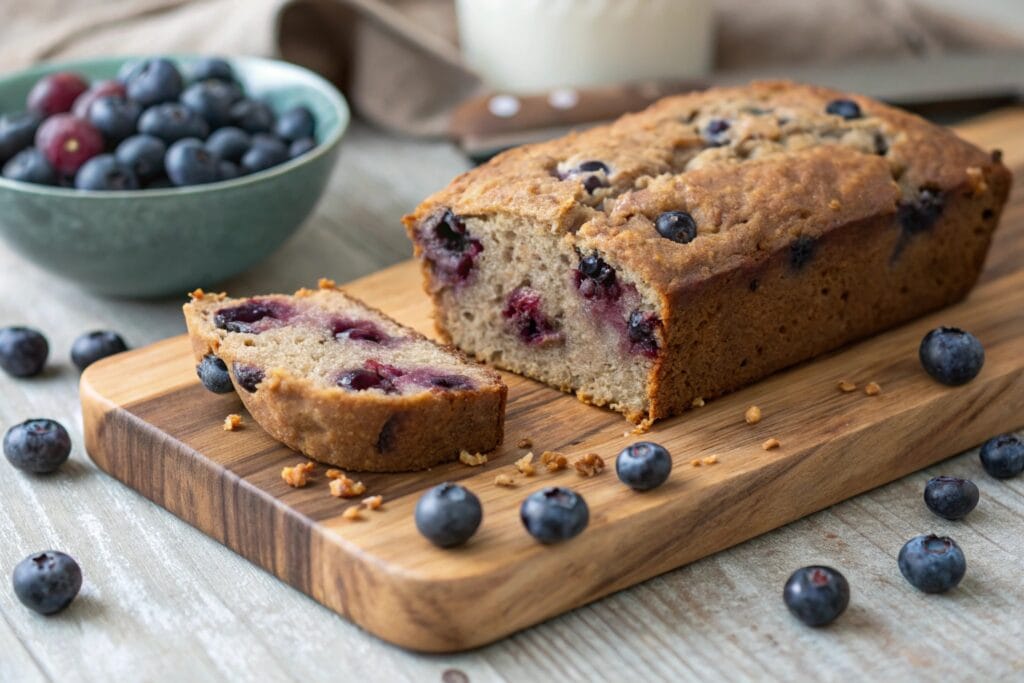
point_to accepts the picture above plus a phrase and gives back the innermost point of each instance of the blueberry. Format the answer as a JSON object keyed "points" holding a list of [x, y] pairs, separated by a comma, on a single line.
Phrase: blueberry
{"points": [[211, 100], [594, 182], [154, 82], [448, 514], [172, 121], [266, 151], [47, 582], [115, 117], [105, 172], [715, 132], [130, 69], [592, 166], [525, 317], [300, 147], [594, 268], [596, 280], [848, 109], [252, 116], [93, 346], [144, 155], [30, 166], [951, 356], [801, 251], [922, 213], [244, 316], [816, 595], [295, 124], [23, 351], [951, 497], [211, 68], [643, 466], [228, 171], [1003, 456], [449, 247], [17, 131], [213, 373], [189, 163], [554, 514], [38, 446], [229, 143], [677, 226], [932, 564], [641, 331], [247, 376]]}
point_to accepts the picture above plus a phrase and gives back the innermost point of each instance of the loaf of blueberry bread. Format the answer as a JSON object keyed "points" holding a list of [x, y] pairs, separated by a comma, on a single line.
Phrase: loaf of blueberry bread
{"points": [[344, 384], [695, 247]]}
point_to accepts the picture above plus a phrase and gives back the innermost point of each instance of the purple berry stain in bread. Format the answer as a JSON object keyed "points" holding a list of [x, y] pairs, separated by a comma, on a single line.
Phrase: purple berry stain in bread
{"points": [[595, 279], [358, 330], [449, 247], [641, 331], [525, 318], [253, 316], [426, 377], [921, 214], [248, 376], [373, 375], [801, 251]]}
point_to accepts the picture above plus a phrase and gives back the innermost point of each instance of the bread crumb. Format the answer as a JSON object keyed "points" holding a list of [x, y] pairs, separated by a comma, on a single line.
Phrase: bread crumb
{"points": [[525, 464], [846, 386], [834, 204], [352, 513], [872, 388], [506, 480], [334, 474], [472, 459], [710, 460], [373, 502], [695, 462], [326, 283], [976, 179], [554, 461], [343, 487], [697, 402], [588, 465], [753, 415], [771, 444], [232, 422], [297, 476], [524, 443]]}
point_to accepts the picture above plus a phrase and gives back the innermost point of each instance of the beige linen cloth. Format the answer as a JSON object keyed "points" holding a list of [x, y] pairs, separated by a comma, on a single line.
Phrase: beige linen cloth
{"points": [[398, 60]]}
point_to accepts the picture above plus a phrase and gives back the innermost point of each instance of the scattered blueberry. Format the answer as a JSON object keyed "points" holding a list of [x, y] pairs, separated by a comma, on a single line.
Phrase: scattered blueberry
{"points": [[252, 116], [105, 172], [448, 515], [951, 356], [677, 226], [801, 251], [211, 68], [211, 100], [56, 93], [816, 595], [47, 582], [951, 497], [30, 166], [554, 514], [266, 151], [715, 132], [300, 147], [213, 373], [114, 117], [38, 446], [932, 564], [1003, 456], [92, 346], [154, 82], [17, 131], [23, 351], [68, 142], [248, 376], [641, 331], [643, 466], [172, 121], [295, 124], [229, 143], [144, 155], [189, 163], [848, 109]]}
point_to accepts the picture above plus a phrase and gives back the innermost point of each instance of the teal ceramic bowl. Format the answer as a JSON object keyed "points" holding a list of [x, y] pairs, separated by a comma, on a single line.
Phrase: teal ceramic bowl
{"points": [[151, 243]]}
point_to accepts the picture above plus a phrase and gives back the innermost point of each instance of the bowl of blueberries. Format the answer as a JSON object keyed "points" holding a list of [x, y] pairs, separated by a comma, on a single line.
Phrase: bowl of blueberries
{"points": [[149, 177]]}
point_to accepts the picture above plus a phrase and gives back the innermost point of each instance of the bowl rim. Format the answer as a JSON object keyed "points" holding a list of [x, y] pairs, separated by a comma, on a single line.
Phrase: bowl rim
{"points": [[337, 100]]}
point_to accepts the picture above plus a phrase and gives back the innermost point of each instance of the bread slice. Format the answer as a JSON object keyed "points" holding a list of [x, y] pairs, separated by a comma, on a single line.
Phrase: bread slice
{"points": [[344, 384], [695, 247]]}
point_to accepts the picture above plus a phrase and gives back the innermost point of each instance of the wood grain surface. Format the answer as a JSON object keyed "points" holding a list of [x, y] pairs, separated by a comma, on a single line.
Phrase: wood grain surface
{"points": [[163, 601], [149, 423]]}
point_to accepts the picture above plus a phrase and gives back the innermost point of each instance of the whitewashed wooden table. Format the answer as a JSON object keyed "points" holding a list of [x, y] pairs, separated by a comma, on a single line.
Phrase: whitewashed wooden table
{"points": [[162, 601]]}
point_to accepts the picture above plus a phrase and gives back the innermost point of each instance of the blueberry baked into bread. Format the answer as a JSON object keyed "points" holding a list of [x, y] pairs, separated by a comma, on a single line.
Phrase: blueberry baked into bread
{"points": [[687, 250], [346, 385]]}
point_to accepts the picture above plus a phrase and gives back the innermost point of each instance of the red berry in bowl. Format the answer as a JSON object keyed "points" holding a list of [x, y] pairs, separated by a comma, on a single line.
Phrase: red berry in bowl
{"points": [[111, 88], [67, 142], [56, 93]]}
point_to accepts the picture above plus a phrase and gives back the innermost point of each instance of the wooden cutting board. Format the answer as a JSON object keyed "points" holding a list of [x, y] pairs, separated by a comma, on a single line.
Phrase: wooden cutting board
{"points": [[149, 423]]}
